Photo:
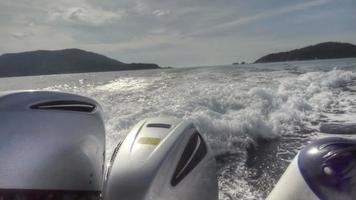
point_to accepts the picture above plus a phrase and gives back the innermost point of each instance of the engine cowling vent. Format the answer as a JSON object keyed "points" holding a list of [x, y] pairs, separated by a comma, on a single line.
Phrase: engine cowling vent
{"points": [[77, 106], [158, 125]]}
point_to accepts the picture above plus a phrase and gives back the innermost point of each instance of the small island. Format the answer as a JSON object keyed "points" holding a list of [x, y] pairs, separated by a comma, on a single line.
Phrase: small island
{"points": [[45, 62], [237, 63], [326, 50]]}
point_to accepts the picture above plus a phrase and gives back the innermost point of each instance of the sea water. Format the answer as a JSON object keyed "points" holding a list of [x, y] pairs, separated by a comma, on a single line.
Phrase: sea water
{"points": [[255, 117]]}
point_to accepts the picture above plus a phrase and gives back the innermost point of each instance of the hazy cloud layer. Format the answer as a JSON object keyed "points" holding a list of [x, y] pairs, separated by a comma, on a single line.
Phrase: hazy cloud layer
{"points": [[175, 33]]}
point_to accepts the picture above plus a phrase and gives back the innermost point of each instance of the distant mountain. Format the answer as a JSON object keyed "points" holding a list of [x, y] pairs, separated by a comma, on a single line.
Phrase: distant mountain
{"points": [[326, 50], [45, 62]]}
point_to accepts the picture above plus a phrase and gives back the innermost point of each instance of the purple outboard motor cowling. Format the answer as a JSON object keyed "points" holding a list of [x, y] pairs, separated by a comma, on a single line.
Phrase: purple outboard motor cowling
{"points": [[329, 168], [324, 169]]}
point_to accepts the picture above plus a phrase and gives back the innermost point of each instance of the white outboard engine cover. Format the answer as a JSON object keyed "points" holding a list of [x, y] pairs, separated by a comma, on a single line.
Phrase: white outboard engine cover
{"points": [[50, 141], [162, 159], [324, 169]]}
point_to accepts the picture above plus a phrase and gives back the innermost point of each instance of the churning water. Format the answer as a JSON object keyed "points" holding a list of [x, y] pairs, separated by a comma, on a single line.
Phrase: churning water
{"points": [[255, 117]]}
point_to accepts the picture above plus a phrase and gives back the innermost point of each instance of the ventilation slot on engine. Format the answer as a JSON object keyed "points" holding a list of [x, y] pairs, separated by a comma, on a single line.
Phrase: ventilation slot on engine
{"points": [[193, 153], [78, 106], [158, 126]]}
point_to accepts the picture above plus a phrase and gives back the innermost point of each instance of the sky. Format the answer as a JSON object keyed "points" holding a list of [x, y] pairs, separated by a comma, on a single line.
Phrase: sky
{"points": [[175, 33]]}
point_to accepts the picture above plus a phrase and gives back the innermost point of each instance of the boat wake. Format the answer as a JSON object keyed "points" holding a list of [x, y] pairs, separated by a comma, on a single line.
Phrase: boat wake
{"points": [[255, 121]]}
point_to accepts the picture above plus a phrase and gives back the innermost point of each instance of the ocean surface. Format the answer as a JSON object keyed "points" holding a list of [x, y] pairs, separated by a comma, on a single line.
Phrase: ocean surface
{"points": [[255, 117]]}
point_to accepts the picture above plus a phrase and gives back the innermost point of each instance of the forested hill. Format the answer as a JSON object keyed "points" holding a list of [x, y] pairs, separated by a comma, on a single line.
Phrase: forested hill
{"points": [[64, 61], [326, 50]]}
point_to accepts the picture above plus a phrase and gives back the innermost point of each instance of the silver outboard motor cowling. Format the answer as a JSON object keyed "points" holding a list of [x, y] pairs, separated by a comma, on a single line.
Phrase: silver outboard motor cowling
{"points": [[162, 159], [51, 141]]}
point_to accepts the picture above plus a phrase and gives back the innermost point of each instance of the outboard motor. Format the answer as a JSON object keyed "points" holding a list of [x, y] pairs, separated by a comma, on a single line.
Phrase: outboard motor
{"points": [[162, 159], [324, 169], [52, 146]]}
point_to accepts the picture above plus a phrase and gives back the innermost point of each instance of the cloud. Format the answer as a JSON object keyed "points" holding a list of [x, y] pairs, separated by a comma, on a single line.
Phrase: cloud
{"points": [[140, 7], [135, 44], [258, 17], [21, 35], [161, 12], [86, 15]]}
